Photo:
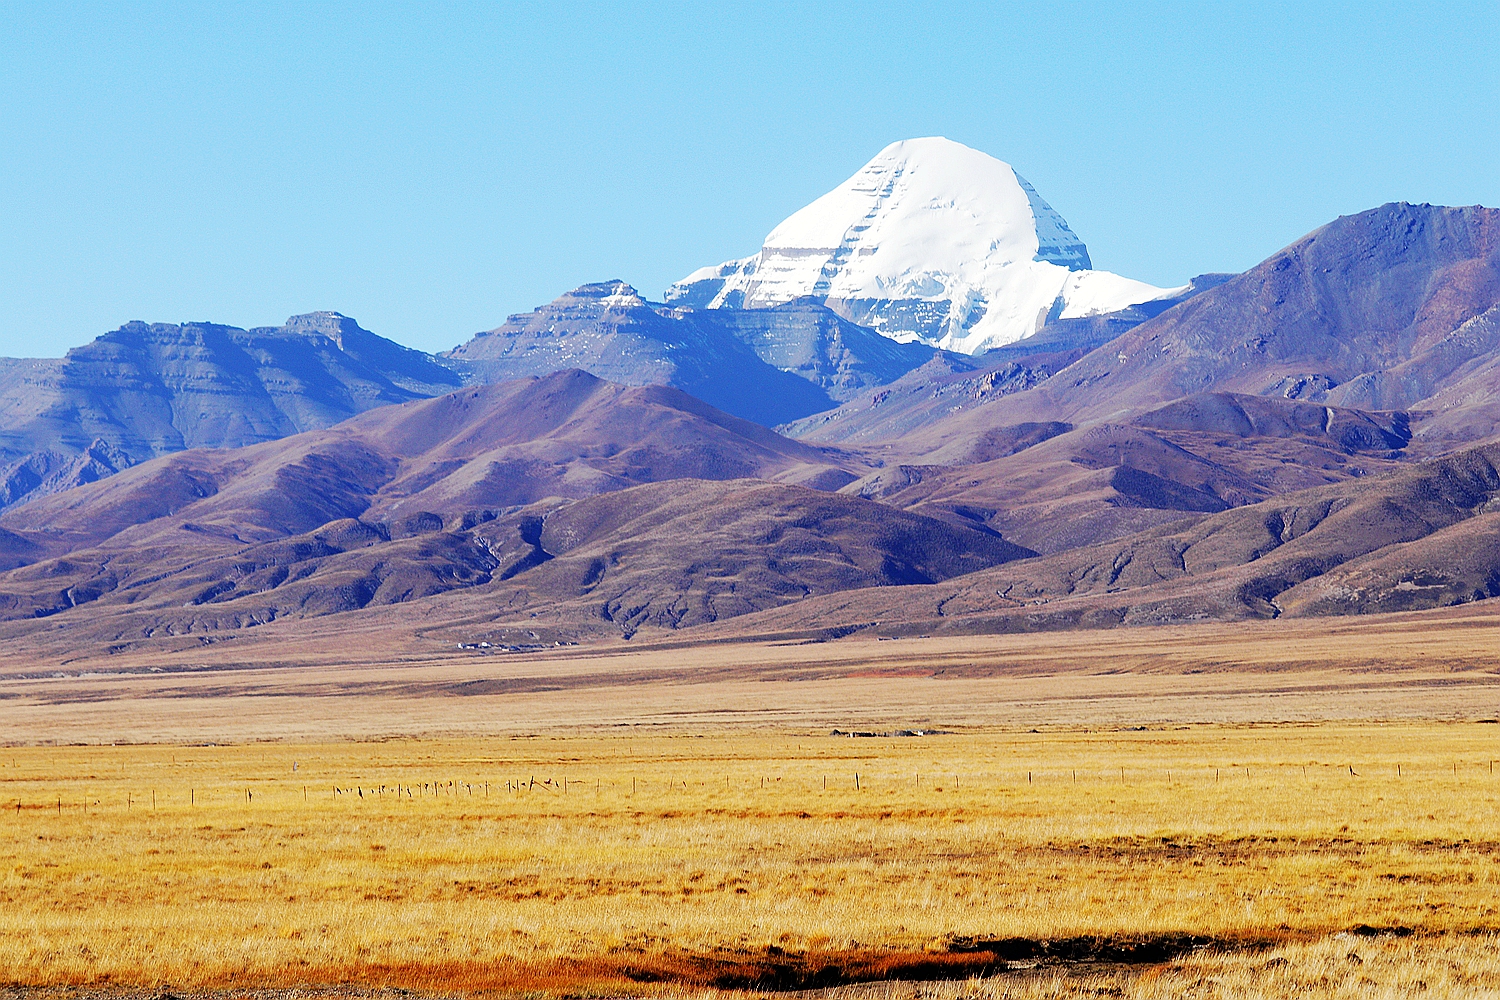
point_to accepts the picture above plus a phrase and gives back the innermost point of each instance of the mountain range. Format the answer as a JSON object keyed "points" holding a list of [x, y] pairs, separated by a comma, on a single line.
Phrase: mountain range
{"points": [[764, 456], [150, 389], [767, 365], [571, 487]]}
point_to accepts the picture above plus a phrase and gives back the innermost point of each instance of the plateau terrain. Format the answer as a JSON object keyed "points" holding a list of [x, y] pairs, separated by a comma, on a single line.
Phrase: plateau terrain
{"points": [[746, 548], [1313, 437]]}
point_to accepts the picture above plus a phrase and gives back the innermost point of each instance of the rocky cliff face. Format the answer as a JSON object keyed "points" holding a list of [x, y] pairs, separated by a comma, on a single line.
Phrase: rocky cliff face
{"points": [[149, 389], [610, 331], [767, 365], [815, 343]]}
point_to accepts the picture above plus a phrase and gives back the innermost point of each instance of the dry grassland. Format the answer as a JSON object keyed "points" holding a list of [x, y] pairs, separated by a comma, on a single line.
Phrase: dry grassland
{"points": [[1341, 967], [343, 684], [588, 863]]}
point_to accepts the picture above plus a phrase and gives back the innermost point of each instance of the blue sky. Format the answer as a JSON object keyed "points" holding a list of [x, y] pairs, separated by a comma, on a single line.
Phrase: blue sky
{"points": [[430, 168]]}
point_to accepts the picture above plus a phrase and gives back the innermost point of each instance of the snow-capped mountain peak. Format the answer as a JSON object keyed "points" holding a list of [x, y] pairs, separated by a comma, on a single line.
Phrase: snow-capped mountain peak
{"points": [[930, 241]]}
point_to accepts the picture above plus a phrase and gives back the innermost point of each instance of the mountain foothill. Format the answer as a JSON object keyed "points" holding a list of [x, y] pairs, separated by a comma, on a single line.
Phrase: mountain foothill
{"points": [[1317, 436]]}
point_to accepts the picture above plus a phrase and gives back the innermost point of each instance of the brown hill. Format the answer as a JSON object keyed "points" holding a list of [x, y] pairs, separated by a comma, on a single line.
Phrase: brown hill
{"points": [[883, 418], [1360, 295], [665, 555], [1053, 487], [565, 435], [1418, 537], [674, 555], [525, 487]]}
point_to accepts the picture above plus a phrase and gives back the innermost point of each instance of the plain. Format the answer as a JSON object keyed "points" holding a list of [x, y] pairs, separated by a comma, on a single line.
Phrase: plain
{"points": [[1133, 812]]}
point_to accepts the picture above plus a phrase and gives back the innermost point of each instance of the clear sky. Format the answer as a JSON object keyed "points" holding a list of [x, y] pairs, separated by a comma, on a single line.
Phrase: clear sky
{"points": [[430, 168]]}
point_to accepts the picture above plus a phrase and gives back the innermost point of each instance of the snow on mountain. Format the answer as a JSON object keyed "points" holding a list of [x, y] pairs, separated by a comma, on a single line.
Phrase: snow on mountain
{"points": [[929, 241]]}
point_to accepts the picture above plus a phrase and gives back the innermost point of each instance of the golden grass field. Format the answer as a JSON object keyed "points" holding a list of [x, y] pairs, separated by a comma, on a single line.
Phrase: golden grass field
{"points": [[674, 835], [595, 863]]}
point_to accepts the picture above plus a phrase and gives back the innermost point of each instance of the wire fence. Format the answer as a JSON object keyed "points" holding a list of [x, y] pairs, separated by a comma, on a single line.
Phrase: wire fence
{"points": [[47, 794]]}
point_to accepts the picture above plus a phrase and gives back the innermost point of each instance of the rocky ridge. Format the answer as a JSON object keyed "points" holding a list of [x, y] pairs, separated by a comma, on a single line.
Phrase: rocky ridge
{"points": [[151, 389]]}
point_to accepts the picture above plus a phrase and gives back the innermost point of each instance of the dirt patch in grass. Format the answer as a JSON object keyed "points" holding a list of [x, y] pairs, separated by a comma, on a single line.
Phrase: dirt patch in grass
{"points": [[773, 969]]}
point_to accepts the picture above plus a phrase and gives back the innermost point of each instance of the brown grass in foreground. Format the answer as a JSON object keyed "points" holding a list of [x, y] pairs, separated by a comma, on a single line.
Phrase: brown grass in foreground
{"points": [[1333, 968], [573, 863], [1445, 967]]}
